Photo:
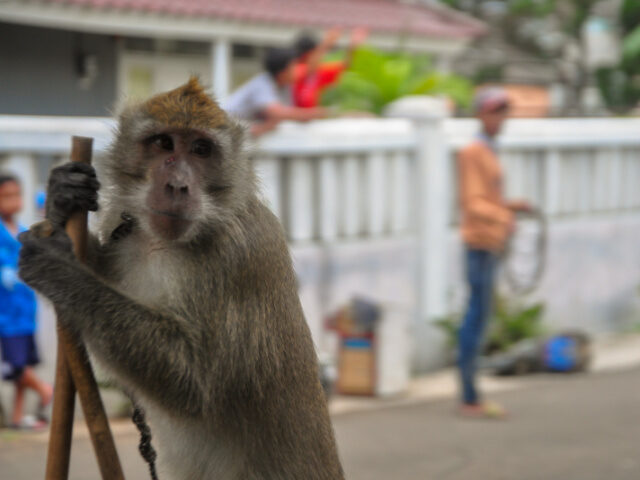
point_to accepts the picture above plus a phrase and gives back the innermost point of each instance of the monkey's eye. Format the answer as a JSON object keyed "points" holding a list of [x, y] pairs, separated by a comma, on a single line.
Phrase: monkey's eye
{"points": [[162, 141], [202, 148]]}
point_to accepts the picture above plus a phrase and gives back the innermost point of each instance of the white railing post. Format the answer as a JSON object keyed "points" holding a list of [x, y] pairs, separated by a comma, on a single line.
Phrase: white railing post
{"points": [[221, 67], [434, 182], [329, 203], [351, 190], [377, 188], [300, 199], [401, 192], [552, 174]]}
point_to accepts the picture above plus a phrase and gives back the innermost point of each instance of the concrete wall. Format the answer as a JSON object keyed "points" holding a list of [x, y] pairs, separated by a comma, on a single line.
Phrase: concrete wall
{"points": [[383, 271], [591, 282], [591, 278], [36, 62], [593, 274]]}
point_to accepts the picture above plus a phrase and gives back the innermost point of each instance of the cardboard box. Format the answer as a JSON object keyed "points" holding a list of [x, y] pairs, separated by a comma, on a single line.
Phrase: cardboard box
{"points": [[357, 366]]}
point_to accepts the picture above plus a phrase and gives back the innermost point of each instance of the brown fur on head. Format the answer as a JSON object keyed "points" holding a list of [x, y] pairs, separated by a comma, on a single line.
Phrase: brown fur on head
{"points": [[125, 172], [187, 106]]}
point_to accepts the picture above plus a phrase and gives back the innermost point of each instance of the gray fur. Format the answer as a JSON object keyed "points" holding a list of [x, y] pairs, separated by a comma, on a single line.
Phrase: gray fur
{"points": [[207, 333]]}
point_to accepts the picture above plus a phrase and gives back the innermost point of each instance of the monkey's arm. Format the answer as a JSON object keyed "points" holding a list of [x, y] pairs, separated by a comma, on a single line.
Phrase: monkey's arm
{"points": [[154, 350], [100, 255]]}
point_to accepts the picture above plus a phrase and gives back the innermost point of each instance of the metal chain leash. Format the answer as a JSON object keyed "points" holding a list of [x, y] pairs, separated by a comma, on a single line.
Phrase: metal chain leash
{"points": [[537, 255], [146, 449]]}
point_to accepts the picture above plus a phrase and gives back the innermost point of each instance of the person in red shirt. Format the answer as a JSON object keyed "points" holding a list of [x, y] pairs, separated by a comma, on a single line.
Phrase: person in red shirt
{"points": [[311, 75]]}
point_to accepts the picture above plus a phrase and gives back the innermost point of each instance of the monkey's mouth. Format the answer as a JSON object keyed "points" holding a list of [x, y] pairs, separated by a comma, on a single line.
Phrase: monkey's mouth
{"points": [[169, 224], [166, 213]]}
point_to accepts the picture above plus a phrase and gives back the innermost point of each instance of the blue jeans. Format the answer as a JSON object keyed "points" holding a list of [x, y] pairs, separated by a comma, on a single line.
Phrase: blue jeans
{"points": [[481, 266]]}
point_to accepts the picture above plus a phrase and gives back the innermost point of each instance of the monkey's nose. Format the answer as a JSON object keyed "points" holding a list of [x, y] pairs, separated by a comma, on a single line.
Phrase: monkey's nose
{"points": [[173, 188]]}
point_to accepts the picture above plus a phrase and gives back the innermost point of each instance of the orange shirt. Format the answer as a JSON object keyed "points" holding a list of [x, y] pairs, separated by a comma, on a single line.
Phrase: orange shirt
{"points": [[486, 219]]}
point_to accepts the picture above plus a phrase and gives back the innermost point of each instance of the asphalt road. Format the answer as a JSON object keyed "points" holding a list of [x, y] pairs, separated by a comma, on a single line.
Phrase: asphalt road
{"points": [[583, 428], [563, 427]]}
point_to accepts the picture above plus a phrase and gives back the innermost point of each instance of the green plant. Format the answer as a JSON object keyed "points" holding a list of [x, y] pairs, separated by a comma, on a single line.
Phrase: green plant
{"points": [[619, 87], [510, 323], [620, 84], [375, 78], [449, 326]]}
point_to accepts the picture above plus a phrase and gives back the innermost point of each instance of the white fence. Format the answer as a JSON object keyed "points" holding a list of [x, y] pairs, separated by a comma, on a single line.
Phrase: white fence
{"points": [[355, 178], [362, 180], [343, 179], [569, 167]]}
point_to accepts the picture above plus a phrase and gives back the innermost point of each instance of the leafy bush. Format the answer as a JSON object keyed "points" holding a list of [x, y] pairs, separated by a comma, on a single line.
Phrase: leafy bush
{"points": [[377, 78], [620, 84], [619, 87], [509, 325]]}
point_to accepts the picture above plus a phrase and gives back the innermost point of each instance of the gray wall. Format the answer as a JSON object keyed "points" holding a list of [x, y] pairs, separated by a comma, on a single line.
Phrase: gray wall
{"points": [[591, 277], [38, 72]]}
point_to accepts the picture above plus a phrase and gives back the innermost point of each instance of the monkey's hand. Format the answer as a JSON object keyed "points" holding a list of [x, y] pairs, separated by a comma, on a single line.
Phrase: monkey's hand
{"points": [[72, 187], [45, 250]]}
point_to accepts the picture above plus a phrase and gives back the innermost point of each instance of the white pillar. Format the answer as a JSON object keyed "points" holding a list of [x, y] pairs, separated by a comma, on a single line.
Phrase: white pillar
{"points": [[328, 198], [433, 158], [300, 199], [401, 192], [615, 180], [377, 188], [221, 67], [351, 196], [553, 173]]}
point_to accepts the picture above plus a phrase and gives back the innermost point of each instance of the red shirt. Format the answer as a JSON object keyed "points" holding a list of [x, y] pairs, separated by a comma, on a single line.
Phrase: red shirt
{"points": [[307, 86]]}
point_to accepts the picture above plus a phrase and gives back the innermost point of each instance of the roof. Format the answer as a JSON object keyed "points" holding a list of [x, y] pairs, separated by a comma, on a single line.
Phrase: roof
{"points": [[380, 16]]}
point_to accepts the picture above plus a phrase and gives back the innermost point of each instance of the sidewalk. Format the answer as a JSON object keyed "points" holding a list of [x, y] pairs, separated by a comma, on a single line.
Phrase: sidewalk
{"points": [[619, 352], [551, 436], [610, 354]]}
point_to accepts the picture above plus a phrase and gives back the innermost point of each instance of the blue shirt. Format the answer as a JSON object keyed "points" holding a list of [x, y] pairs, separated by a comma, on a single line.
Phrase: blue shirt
{"points": [[17, 300]]}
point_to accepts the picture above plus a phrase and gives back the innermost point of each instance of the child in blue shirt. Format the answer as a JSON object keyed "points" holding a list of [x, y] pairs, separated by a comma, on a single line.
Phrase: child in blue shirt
{"points": [[17, 310]]}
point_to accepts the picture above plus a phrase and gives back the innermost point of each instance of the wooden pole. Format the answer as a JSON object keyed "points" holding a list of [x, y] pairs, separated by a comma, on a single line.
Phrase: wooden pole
{"points": [[73, 371], [64, 396]]}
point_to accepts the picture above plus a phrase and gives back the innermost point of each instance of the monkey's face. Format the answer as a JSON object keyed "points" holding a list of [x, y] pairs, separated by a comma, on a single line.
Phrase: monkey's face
{"points": [[178, 166], [187, 180], [177, 162]]}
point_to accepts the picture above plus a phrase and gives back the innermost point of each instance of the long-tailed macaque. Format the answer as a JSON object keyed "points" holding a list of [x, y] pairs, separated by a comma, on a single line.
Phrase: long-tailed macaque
{"points": [[189, 299]]}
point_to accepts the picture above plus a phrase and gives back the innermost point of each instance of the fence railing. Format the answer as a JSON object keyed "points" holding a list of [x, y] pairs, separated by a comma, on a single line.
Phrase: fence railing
{"points": [[360, 179], [568, 167], [341, 179]]}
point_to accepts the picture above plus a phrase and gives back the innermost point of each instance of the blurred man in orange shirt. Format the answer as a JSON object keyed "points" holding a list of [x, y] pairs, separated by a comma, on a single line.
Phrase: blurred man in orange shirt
{"points": [[487, 221], [311, 75]]}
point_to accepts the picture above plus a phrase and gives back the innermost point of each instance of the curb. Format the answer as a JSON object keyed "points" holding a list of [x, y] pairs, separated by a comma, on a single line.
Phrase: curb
{"points": [[610, 354]]}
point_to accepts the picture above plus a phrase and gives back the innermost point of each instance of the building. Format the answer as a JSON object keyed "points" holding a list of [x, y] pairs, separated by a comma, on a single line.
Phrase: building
{"points": [[78, 57]]}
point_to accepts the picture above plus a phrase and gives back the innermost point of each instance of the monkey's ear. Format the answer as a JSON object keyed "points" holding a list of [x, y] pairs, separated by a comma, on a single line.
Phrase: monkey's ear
{"points": [[125, 106], [239, 134], [133, 122]]}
